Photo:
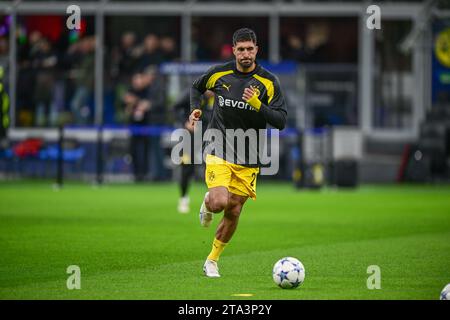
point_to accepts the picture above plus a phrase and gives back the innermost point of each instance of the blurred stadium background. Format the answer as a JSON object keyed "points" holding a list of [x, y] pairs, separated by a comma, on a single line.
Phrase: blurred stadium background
{"points": [[387, 90], [366, 107]]}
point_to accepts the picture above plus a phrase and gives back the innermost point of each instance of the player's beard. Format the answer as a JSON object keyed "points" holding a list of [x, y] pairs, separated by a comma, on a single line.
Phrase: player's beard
{"points": [[245, 64]]}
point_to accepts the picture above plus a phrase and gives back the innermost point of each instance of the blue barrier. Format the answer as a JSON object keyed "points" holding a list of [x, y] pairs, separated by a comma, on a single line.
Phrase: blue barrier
{"points": [[159, 130], [52, 153], [285, 67]]}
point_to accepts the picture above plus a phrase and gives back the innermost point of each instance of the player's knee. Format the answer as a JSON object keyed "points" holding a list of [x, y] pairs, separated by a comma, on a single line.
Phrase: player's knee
{"points": [[217, 203]]}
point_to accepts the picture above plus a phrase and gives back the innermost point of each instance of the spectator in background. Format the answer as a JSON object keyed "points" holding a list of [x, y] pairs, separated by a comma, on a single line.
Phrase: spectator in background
{"points": [[4, 97], [150, 52], [44, 63], [27, 78], [126, 57], [295, 50], [4, 109], [124, 62], [168, 49], [199, 51], [4, 58], [83, 55], [313, 49], [144, 105], [316, 42]]}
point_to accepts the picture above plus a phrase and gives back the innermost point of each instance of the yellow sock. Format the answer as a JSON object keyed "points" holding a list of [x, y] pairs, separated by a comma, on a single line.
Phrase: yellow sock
{"points": [[217, 249]]}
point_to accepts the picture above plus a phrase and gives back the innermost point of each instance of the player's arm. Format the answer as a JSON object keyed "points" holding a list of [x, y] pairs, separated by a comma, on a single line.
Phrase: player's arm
{"points": [[198, 88], [195, 103], [275, 113]]}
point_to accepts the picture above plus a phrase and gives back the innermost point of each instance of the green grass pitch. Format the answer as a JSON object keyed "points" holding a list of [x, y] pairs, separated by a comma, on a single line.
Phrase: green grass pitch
{"points": [[130, 242]]}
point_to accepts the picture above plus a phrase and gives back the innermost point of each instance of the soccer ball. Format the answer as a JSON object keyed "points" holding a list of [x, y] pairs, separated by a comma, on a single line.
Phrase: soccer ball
{"points": [[288, 273], [445, 293]]}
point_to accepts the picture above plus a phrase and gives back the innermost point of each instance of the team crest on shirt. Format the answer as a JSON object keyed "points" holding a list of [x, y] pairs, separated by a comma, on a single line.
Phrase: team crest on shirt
{"points": [[256, 90], [211, 176]]}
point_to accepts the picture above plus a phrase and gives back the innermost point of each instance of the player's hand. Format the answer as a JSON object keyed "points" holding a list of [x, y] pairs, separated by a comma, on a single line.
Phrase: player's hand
{"points": [[251, 98], [195, 116], [189, 126]]}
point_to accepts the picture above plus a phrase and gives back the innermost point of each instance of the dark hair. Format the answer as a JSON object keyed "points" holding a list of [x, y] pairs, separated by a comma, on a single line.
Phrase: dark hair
{"points": [[244, 34]]}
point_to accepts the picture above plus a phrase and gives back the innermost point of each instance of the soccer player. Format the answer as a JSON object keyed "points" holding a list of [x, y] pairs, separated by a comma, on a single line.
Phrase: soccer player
{"points": [[247, 97]]}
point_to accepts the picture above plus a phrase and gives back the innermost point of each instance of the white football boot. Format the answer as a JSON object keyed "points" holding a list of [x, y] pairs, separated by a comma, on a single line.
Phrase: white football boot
{"points": [[183, 205], [211, 269], [205, 215]]}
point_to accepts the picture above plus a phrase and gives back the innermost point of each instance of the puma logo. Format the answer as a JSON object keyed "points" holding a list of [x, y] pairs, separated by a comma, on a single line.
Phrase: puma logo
{"points": [[226, 87]]}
